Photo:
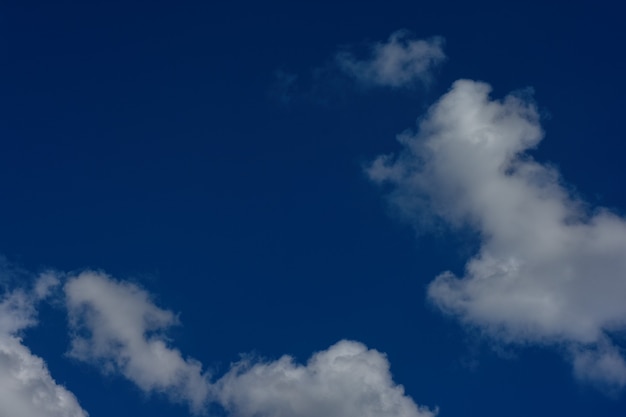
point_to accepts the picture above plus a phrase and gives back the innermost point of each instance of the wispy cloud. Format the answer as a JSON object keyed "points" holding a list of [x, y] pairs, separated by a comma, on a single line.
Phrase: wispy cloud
{"points": [[401, 61], [26, 387], [284, 87], [547, 270]]}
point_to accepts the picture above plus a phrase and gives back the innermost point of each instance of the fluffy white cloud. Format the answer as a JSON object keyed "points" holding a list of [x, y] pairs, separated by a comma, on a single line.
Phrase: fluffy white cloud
{"points": [[116, 326], [26, 387], [547, 270], [399, 62], [347, 380]]}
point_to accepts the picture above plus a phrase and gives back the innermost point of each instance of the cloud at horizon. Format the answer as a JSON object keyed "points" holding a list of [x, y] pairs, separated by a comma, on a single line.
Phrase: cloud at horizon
{"points": [[549, 271]]}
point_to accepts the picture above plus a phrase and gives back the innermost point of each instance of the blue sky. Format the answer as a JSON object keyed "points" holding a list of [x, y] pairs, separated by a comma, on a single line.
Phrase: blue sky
{"points": [[191, 192]]}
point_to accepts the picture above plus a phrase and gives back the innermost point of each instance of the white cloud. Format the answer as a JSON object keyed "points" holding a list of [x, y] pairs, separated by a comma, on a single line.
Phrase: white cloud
{"points": [[547, 271], [116, 326], [347, 380], [26, 387], [399, 62]]}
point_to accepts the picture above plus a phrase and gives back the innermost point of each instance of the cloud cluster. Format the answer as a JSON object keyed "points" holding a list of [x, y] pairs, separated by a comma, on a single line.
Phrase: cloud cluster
{"points": [[548, 270], [26, 387], [118, 328], [399, 62]]}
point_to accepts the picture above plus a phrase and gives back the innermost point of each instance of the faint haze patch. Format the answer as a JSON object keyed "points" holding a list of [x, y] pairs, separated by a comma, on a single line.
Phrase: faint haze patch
{"points": [[401, 63]]}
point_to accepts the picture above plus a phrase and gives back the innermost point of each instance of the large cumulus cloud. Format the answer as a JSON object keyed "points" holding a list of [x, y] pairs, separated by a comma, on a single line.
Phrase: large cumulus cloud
{"points": [[549, 269]]}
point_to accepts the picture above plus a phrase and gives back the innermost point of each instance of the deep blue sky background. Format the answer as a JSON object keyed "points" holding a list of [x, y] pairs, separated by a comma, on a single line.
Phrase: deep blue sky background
{"points": [[150, 140]]}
